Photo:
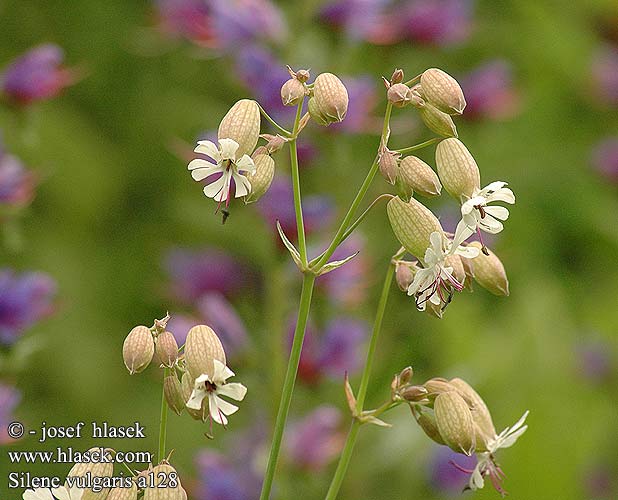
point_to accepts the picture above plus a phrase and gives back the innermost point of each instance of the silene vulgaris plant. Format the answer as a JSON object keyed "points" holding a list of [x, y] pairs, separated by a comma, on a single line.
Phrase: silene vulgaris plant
{"points": [[431, 266]]}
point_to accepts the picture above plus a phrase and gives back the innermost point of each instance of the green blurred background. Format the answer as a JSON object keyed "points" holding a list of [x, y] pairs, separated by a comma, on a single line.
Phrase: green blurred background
{"points": [[114, 198]]}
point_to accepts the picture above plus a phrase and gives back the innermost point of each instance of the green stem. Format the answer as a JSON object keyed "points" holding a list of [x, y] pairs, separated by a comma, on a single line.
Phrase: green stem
{"points": [[298, 209], [346, 454], [285, 132], [288, 385], [347, 220], [163, 422], [421, 145]]}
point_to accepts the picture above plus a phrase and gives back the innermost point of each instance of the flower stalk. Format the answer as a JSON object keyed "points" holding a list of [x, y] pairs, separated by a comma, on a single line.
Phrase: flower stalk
{"points": [[163, 421]]}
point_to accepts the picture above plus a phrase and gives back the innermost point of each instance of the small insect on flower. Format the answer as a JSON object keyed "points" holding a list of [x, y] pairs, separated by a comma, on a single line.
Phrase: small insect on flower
{"points": [[214, 387], [231, 171]]}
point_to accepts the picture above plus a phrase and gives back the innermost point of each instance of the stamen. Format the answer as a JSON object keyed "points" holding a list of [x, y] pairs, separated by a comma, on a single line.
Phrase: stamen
{"points": [[460, 468], [483, 247]]}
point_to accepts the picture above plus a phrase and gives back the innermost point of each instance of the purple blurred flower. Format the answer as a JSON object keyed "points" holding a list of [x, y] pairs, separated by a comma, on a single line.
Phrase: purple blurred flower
{"points": [[348, 284], [193, 273], [263, 75], [24, 300], [221, 316], [16, 183], [236, 475], [489, 91], [444, 476], [594, 359], [278, 204], [180, 324], [36, 75], [221, 24], [363, 100], [314, 441], [605, 158], [358, 18], [433, 22], [600, 482], [334, 352], [605, 75], [9, 399]]}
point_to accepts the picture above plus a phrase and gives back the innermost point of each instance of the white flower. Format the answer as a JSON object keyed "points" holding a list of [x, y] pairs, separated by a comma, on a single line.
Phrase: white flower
{"points": [[432, 281], [477, 216], [486, 465], [225, 164], [62, 493], [213, 389]]}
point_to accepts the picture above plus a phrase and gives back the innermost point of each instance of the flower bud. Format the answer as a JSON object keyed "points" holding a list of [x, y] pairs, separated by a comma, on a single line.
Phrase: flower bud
{"points": [[443, 91], [388, 165], [242, 124], [173, 393], [414, 393], [202, 347], [100, 465], [405, 375], [274, 143], [427, 421], [123, 493], [437, 121], [302, 75], [331, 97], [397, 76], [261, 178], [292, 92], [166, 484], [186, 387], [419, 176], [480, 413], [138, 349], [454, 422], [489, 272], [404, 275], [398, 95], [316, 113], [412, 224], [457, 169], [437, 386], [166, 349]]}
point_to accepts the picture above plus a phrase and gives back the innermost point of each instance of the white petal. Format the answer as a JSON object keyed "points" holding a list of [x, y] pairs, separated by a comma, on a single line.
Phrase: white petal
{"points": [[462, 233], [521, 421], [493, 186], [199, 163], [222, 372], [491, 226], [476, 479], [61, 493], [234, 390], [243, 186], [213, 407], [435, 239], [469, 205], [199, 174], [467, 252], [505, 195], [512, 437], [498, 212], [37, 494], [225, 407], [228, 148], [197, 396], [219, 188], [199, 381], [209, 149], [245, 164]]}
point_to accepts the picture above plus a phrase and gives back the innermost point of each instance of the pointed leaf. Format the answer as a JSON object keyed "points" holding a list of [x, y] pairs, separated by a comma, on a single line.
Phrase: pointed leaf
{"points": [[335, 264], [288, 244]]}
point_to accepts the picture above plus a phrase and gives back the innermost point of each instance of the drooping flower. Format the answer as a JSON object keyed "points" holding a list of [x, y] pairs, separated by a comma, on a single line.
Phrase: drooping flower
{"points": [[486, 466], [231, 170], [436, 278], [37, 75], [489, 91], [9, 399], [213, 388], [24, 300], [61, 493], [16, 183], [478, 216], [314, 441]]}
